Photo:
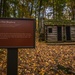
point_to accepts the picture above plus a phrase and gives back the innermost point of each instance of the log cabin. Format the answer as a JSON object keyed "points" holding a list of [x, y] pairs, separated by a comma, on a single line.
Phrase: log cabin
{"points": [[59, 31]]}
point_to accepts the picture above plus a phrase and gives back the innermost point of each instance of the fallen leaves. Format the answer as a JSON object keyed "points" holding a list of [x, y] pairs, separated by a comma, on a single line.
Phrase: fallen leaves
{"points": [[3, 62], [42, 59], [45, 57]]}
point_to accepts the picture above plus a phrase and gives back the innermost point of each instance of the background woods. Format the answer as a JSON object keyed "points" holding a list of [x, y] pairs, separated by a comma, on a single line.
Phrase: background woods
{"points": [[38, 9], [44, 59]]}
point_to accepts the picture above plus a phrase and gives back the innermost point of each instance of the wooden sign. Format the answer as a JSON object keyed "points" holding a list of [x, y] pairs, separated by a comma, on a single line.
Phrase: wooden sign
{"points": [[17, 33]]}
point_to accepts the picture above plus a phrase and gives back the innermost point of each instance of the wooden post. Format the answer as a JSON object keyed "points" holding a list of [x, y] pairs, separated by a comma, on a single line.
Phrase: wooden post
{"points": [[12, 61]]}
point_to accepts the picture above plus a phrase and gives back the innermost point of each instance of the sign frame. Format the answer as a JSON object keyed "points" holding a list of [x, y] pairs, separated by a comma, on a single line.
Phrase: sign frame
{"points": [[34, 26]]}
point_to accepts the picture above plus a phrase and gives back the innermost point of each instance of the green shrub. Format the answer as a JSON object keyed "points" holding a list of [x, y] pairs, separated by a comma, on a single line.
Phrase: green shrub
{"points": [[41, 37]]}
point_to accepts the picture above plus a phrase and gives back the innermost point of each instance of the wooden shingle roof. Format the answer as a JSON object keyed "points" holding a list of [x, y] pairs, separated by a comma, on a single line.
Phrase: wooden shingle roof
{"points": [[59, 22]]}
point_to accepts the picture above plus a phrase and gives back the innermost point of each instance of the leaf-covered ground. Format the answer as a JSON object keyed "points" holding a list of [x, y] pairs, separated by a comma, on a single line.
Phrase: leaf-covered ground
{"points": [[43, 60]]}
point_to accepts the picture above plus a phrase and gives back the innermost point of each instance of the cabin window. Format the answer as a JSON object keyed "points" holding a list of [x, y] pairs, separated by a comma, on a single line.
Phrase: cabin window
{"points": [[49, 30]]}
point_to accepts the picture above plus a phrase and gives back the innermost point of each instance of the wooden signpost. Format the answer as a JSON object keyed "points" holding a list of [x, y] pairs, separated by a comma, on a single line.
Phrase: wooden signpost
{"points": [[14, 34]]}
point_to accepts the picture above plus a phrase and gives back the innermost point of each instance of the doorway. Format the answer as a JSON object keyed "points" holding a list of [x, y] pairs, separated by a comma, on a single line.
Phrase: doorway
{"points": [[59, 33]]}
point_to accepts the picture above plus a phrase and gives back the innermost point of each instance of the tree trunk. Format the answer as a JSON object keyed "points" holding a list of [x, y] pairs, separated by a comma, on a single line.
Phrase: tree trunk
{"points": [[39, 26], [4, 8], [53, 10], [0, 8], [73, 9], [31, 10], [73, 13]]}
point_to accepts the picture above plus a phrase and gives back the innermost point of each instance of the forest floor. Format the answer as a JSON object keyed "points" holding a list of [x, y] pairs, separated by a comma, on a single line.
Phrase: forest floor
{"points": [[45, 59]]}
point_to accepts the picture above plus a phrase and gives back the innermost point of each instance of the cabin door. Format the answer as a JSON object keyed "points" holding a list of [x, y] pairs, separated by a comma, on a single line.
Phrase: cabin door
{"points": [[59, 33], [68, 35]]}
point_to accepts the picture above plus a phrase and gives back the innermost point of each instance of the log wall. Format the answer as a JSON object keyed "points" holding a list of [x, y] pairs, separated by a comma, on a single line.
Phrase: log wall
{"points": [[72, 33], [51, 37]]}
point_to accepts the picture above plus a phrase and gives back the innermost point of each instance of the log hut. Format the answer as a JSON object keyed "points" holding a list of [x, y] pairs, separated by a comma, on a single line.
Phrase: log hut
{"points": [[59, 31]]}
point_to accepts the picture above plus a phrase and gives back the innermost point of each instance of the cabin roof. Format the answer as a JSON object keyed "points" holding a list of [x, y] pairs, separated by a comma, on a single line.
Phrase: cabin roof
{"points": [[59, 22]]}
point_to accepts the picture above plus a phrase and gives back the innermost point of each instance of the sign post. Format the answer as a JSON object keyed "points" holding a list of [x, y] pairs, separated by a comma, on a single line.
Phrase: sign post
{"points": [[12, 61], [14, 34]]}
